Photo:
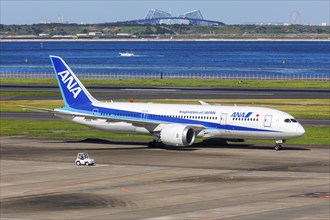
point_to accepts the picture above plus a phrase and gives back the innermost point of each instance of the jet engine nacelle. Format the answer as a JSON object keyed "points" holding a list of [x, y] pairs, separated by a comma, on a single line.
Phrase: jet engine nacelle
{"points": [[177, 135]]}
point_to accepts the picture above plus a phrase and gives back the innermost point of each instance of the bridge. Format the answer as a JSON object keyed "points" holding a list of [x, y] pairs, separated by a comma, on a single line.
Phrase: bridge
{"points": [[155, 16]]}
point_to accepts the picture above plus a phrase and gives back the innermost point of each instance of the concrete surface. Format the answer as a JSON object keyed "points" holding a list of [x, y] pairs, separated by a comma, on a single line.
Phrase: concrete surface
{"points": [[39, 180]]}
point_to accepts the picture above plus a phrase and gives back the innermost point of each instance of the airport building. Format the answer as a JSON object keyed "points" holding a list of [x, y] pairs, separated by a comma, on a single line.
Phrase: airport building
{"points": [[155, 16]]}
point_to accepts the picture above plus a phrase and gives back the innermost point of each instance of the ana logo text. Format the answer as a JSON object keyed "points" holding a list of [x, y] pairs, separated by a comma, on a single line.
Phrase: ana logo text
{"points": [[72, 86], [241, 114]]}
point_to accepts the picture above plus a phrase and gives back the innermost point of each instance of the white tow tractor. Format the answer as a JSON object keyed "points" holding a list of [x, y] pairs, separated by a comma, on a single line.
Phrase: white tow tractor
{"points": [[83, 159]]}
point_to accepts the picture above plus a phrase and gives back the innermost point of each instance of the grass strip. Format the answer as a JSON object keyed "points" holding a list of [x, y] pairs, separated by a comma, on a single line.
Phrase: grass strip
{"points": [[182, 82], [29, 93], [14, 106], [60, 129], [315, 135]]}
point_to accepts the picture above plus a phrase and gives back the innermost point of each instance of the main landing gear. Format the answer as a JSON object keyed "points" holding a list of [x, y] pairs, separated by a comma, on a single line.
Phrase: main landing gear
{"points": [[155, 144], [278, 145]]}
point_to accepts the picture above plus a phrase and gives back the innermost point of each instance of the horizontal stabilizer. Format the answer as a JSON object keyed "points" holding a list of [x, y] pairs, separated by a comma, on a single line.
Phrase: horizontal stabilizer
{"points": [[36, 109]]}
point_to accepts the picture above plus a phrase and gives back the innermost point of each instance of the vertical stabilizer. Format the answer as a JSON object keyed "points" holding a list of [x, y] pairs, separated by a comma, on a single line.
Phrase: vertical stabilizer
{"points": [[73, 91]]}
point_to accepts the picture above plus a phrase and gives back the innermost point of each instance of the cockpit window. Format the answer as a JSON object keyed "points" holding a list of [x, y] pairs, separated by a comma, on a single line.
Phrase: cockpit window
{"points": [[288, 120]]}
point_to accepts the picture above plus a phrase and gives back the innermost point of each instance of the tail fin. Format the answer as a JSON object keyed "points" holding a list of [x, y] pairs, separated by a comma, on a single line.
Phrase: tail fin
{"points": [[73, 91]]}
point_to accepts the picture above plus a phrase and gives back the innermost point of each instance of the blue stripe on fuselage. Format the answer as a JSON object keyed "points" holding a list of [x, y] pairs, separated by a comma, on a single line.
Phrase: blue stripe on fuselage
{"points": [[138, 116]]}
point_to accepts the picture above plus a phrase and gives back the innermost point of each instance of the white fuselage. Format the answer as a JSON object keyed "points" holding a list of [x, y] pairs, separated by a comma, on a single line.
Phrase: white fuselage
{"points": [[218, 121]]}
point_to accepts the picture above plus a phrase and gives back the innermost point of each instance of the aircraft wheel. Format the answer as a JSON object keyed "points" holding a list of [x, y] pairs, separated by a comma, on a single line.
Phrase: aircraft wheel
{"points": [[155, 144], [278, 147], [160, 145], [152, 144]]}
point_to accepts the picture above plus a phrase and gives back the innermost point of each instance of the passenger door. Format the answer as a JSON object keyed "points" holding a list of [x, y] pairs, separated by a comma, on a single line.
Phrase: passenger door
{"points": [[144, 115], [268, 121], [223, 119], [95, 111]]}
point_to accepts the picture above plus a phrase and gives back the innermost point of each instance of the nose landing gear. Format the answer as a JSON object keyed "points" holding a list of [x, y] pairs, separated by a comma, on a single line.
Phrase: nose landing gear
{"points": [[278, 145]]}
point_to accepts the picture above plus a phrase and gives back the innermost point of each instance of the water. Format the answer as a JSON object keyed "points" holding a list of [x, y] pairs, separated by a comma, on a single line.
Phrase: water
{"points": [[263, 58]]}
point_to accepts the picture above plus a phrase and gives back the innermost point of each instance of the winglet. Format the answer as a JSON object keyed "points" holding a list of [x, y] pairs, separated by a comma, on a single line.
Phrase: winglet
{"points": [[73, 91]]}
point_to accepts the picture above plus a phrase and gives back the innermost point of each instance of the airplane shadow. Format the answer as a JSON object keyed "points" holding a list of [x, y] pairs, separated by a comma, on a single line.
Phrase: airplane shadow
{"points": [[135, 145], [215, 144], [104, 142], [197, 146]]}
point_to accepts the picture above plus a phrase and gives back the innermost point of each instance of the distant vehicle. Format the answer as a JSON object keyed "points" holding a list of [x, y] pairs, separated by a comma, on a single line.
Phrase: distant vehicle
{"points": [[83, 159], [127, 54]]}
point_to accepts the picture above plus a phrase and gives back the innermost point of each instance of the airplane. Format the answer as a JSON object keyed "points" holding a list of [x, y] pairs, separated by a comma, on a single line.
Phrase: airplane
{"points": [[170, 124]]}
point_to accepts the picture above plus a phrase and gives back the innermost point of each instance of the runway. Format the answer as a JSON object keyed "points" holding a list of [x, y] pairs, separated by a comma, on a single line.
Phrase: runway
{"points": [[109, 92], [39, 180]]}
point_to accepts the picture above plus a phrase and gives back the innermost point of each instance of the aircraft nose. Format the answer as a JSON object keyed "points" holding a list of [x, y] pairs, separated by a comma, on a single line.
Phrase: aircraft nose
{"points": [[300, 130]]}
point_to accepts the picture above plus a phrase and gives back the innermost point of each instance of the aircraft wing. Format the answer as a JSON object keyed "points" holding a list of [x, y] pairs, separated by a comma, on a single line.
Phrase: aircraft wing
{"points": [[150, 125]]}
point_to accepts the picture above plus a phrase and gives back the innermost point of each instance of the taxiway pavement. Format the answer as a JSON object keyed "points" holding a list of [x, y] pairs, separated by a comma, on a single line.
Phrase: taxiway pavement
{"points": [[39, 180]]}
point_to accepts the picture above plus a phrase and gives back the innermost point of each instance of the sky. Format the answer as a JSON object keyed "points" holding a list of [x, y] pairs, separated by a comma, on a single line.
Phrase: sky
{"points": [[100, 11]]}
